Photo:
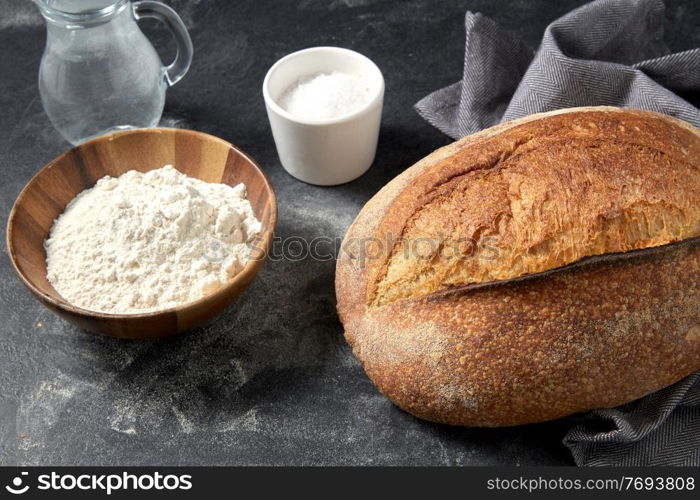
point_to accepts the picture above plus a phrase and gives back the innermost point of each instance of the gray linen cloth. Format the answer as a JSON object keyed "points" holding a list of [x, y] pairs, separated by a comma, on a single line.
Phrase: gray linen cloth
{"points": [[607, 52]]}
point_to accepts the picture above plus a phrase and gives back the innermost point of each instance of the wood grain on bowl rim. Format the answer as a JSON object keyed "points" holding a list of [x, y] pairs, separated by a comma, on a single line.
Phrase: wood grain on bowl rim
{"points": [[195, 153]]}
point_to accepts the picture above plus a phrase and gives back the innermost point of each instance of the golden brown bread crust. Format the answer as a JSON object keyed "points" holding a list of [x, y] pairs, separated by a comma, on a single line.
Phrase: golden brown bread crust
{"points": [[541, 196], [591, 335]]}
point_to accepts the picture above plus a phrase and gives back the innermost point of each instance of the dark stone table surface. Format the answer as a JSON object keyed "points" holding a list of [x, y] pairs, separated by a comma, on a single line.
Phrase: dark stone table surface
{"points": [[271, 381]]}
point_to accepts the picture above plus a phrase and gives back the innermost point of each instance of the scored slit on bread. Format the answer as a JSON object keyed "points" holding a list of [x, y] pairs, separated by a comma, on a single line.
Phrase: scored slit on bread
{"points": [[524, 202]]}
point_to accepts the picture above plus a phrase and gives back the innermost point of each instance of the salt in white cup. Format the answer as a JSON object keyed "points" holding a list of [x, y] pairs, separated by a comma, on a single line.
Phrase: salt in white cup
{"points": [[324, 152]]}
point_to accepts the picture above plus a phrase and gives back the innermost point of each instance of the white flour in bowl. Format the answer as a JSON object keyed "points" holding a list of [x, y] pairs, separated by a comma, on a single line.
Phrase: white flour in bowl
{"points": [[145, 242]]}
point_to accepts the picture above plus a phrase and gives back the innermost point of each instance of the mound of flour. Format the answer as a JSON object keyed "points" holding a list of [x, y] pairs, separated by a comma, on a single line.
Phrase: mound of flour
{"points": [[145, 242]]}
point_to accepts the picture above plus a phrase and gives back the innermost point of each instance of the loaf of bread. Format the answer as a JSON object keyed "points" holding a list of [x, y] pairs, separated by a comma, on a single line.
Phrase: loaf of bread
{"points": [[542, 267]]}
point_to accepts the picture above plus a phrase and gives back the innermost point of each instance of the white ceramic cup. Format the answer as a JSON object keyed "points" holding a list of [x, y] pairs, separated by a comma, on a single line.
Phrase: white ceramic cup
{"points": [[331, 151]]}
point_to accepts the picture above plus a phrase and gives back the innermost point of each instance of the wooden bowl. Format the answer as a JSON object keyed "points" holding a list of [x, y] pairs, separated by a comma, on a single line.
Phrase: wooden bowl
{"points": [[196, 154]]}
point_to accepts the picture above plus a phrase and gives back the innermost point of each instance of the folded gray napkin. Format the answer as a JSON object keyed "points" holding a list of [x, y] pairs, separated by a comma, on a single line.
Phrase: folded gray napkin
{"points": [[662, 428], [608, 52]]}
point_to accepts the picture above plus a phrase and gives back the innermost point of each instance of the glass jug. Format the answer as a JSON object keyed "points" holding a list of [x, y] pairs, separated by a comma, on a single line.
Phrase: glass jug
{"points": [[99, 72]]}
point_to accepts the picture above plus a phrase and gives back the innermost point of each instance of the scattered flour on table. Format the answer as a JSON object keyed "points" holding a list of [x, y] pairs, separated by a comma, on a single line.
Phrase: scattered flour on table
{"points": [[327, 95], [149, 241]]}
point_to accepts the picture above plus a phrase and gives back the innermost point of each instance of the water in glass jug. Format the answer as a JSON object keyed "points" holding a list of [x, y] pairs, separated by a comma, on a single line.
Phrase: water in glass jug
{"points": [[99, 72]]}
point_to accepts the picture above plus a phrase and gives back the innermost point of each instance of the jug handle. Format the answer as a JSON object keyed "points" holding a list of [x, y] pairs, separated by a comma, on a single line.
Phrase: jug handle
{"points": [[156, 10]]}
